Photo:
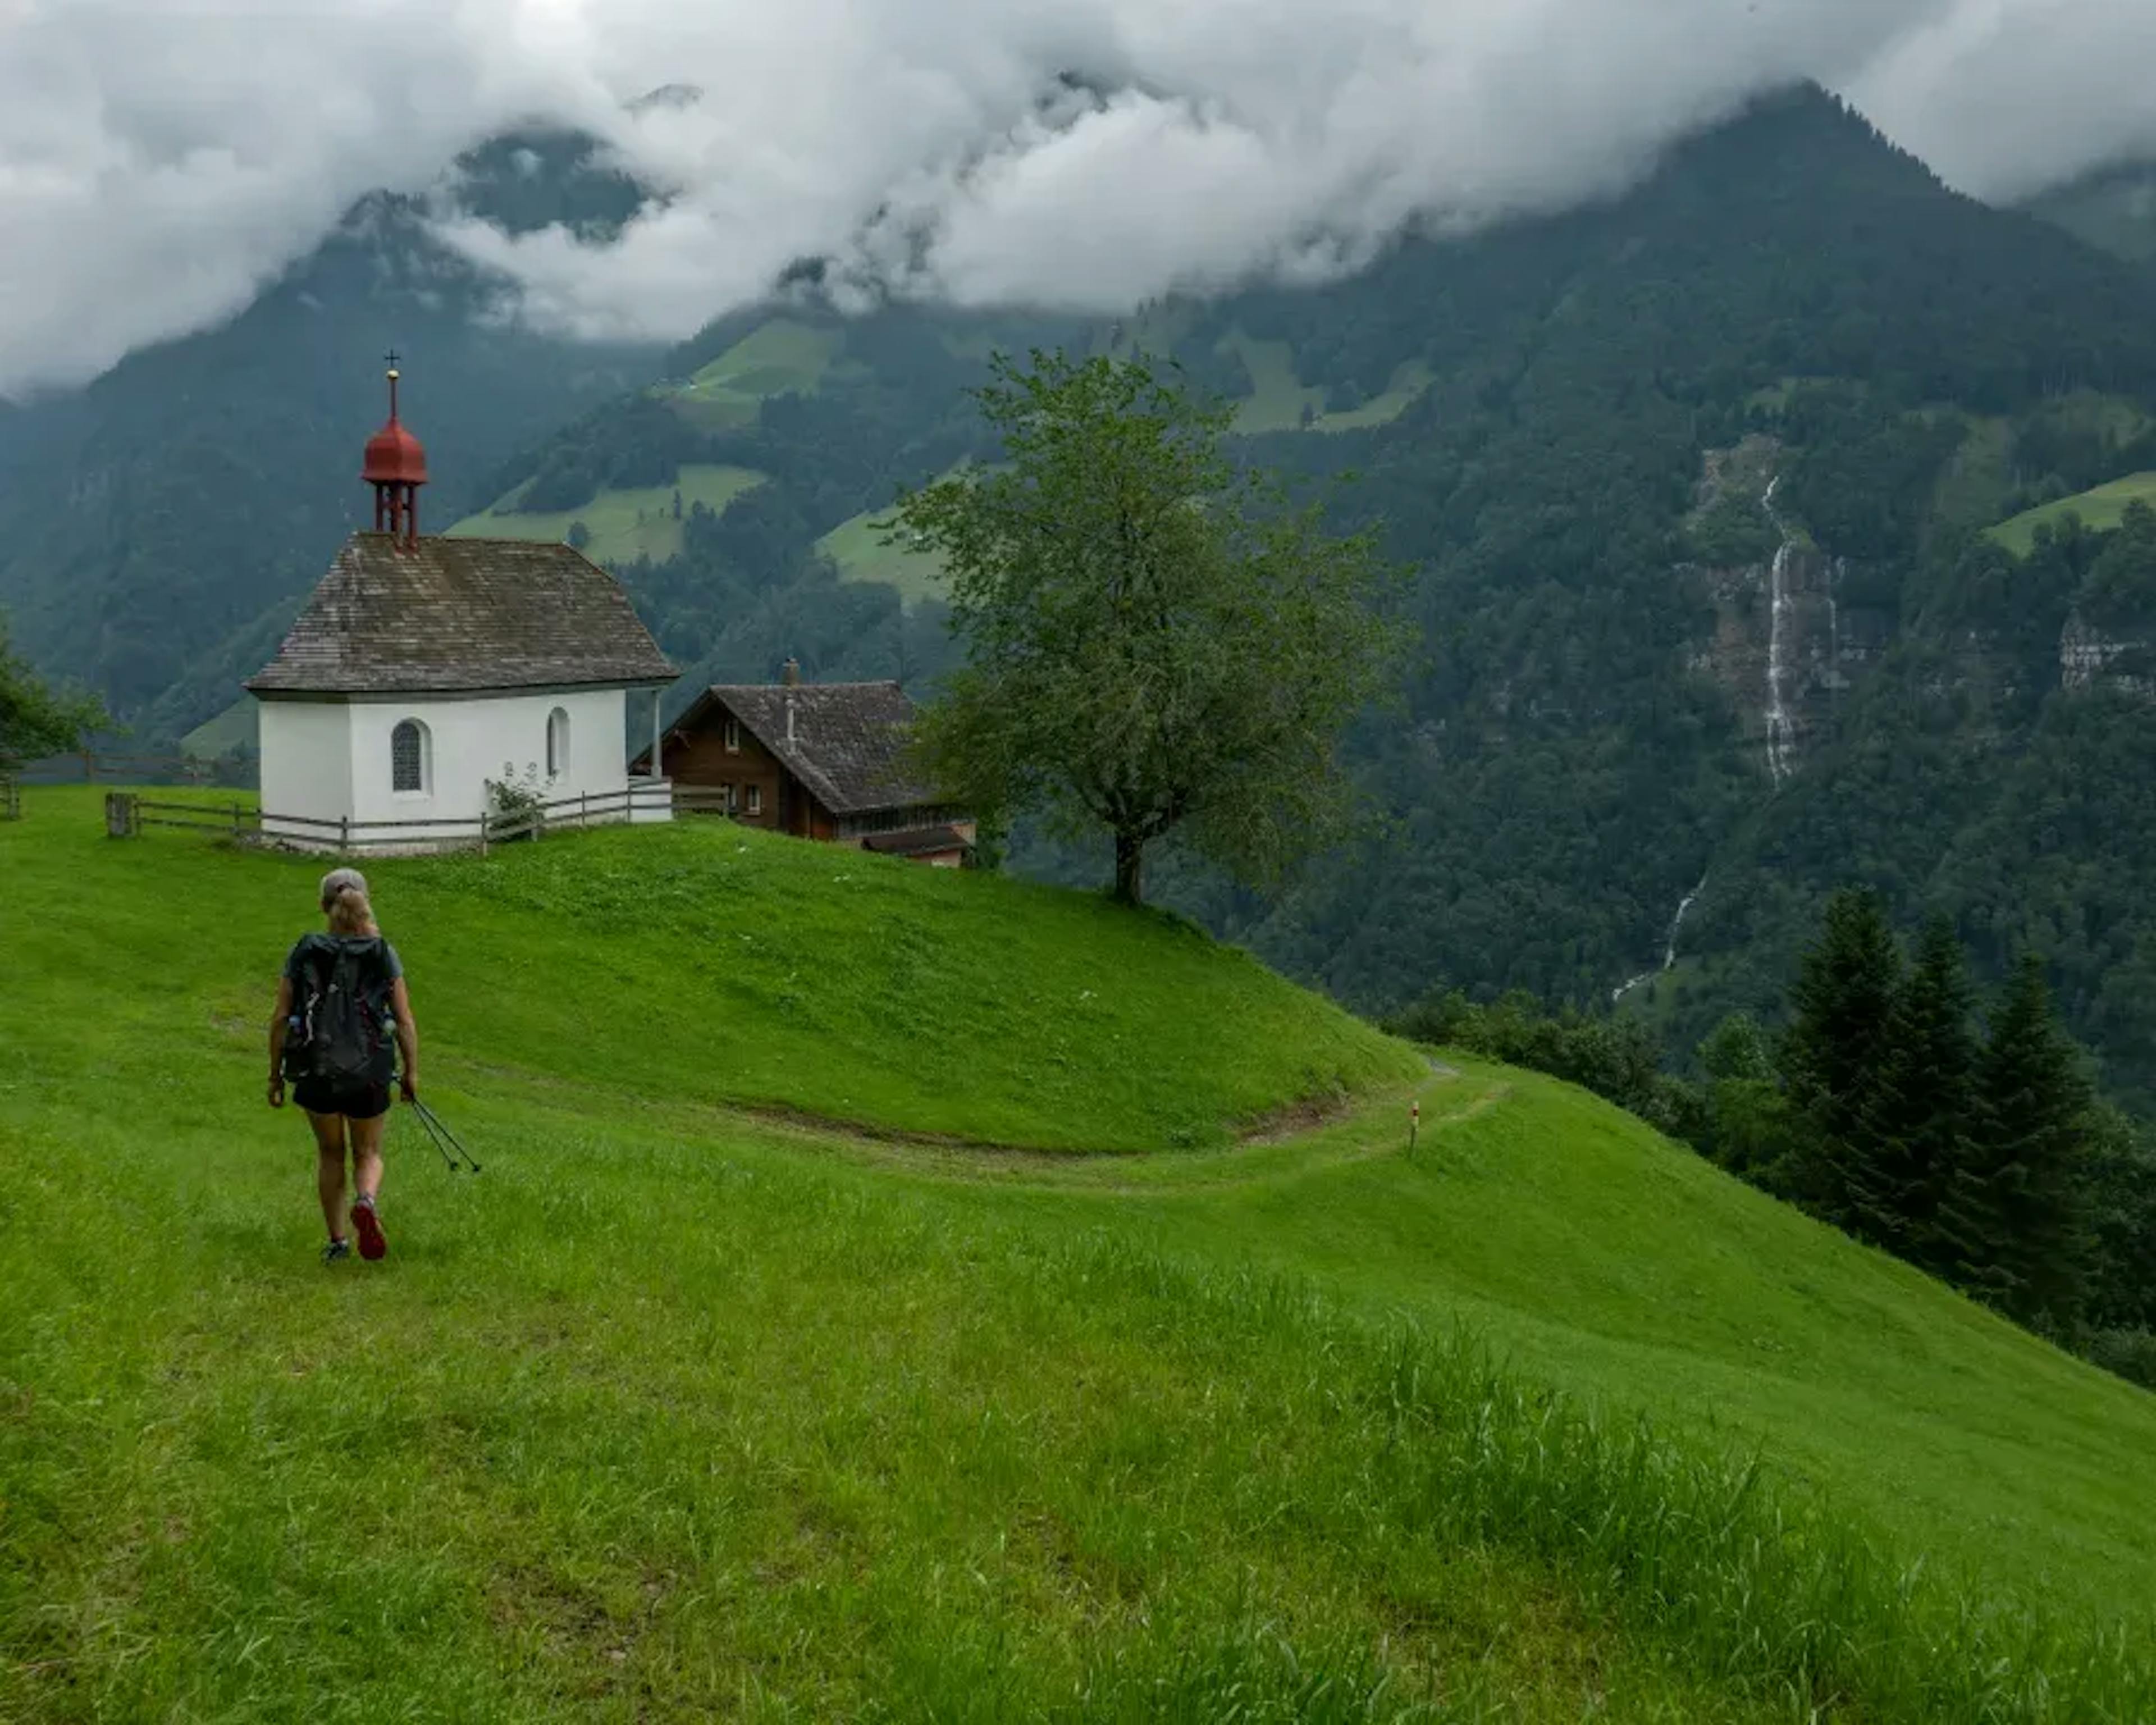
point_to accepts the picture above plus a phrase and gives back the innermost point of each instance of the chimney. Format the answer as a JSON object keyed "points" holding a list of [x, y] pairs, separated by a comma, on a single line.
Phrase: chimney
{"points": [[794, 674]]}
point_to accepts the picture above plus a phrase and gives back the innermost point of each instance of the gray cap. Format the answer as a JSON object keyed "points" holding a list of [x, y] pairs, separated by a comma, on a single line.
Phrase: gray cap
{"points": [[337, 880]]}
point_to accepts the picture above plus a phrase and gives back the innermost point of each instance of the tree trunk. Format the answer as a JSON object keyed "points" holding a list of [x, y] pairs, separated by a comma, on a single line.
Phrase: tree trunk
{"points": [[1130, 868]]}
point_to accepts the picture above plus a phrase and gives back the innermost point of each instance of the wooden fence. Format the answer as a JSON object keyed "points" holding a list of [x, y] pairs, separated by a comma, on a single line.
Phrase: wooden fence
{"points": [[127, 812], [11, 797]]}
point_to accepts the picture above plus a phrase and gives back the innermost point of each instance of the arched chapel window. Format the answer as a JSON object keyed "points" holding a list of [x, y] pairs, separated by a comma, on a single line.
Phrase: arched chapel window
{"points": [[407, 757], [557, 744]]}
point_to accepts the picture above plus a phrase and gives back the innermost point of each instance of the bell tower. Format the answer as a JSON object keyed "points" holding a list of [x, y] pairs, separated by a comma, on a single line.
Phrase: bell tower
{"points": [[396, 467]]}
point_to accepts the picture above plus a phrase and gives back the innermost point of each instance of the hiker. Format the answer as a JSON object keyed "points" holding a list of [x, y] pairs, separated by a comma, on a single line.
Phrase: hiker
{"points": [[341, 997]]}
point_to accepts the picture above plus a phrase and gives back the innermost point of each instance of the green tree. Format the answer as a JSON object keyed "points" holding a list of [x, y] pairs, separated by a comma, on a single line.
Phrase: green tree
{"points": [[1156, 642], [1919, 1105], [2121, 1195], [2014, 1216], [34, 720], [1748, 1127], [1842, 1007]]}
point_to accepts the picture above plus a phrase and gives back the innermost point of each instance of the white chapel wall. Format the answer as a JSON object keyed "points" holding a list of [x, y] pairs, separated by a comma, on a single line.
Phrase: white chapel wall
{"points": [[471, 741], [306, 758]]}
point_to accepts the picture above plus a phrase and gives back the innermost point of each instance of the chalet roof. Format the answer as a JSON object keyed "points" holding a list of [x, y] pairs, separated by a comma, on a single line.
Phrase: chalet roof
{"points": [[916, 841], [461, 614], [848, 739]]}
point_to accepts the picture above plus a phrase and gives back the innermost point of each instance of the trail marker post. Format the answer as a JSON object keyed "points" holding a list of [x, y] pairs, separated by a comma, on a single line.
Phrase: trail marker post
{"points": [[1414, 1124]]}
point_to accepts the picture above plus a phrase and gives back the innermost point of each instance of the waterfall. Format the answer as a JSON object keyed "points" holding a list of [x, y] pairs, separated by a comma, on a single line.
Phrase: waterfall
{"points": [[1669, 957], [1780, 728]]}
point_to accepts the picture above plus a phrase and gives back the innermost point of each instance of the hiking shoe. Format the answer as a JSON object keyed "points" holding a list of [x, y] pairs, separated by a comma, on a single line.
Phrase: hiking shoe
{"points": [[372, 1243], [337, 1252]]}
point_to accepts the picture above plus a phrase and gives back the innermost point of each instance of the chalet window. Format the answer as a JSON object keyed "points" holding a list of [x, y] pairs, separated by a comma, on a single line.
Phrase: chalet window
{"points": [[733, 736], [557, 744], [755, 799], [407, 757]]}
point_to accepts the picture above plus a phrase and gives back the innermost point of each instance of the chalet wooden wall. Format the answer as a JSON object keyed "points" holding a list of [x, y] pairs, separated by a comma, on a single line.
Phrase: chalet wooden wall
{"points": [[702, 758]]}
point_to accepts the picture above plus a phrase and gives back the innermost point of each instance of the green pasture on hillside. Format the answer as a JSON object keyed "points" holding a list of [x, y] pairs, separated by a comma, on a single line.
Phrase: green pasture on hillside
{"points": [[857, 547], [1278, 399], [624, 525], [747, 1381], [780, 357], [237, 726], [2100, 510]]}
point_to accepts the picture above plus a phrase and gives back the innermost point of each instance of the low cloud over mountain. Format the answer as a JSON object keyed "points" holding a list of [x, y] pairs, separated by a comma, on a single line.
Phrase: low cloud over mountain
{"points": [[158, 163]]}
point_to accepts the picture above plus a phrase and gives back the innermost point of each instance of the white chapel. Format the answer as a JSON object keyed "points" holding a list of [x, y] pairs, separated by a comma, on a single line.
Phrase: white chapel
{"points": [[422, 668]]}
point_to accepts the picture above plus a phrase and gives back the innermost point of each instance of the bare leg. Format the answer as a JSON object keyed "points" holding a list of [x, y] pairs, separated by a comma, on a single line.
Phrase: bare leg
{"points": [[367, 1135], [329, 1168]]}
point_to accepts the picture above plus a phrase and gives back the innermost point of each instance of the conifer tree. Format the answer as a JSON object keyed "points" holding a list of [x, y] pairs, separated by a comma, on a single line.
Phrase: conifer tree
{"points": [[1842, 1003], [2013, 1217], [1918, 1106]]}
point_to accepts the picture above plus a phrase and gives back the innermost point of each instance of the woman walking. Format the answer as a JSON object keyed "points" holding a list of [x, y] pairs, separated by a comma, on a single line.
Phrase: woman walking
{"points": [[340, 1002]]}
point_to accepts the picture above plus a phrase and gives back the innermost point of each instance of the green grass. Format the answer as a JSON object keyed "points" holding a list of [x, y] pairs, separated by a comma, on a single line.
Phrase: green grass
{"points": [[2101, 510], [235, 728], [624, 525], [690, 1405], [780, 357], [1278, 399], [857, 547]]}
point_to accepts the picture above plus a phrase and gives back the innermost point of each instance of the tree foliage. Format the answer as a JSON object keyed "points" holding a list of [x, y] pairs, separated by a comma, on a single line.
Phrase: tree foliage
{"points": [[1980, 1155], [1157, 643], [34, 720], [2014, 1208]]}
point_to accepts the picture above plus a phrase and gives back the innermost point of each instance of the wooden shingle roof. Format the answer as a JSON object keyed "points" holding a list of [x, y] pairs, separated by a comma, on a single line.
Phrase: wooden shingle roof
{"points": [[444, 615], [848, 742]]}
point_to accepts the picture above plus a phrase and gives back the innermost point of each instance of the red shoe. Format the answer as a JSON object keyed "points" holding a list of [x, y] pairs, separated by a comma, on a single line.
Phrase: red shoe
{"points": [[372, 1242]]}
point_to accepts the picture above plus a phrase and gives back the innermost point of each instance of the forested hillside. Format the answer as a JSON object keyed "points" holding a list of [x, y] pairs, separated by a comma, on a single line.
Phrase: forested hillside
{"points": [[1695, 483]]}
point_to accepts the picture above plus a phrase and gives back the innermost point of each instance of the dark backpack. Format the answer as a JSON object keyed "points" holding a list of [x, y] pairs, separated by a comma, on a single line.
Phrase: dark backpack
{"points": [[340, 1024]]}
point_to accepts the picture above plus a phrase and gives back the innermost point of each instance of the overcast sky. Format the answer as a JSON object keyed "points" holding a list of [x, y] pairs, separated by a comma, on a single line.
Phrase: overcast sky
{"points": [[160, 159]]}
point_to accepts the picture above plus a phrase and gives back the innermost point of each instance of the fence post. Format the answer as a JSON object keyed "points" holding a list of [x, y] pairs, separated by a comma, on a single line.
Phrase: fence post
{"points": [[344, 835], [235, 821], [119, 819], [486, 821], [583, 810]]}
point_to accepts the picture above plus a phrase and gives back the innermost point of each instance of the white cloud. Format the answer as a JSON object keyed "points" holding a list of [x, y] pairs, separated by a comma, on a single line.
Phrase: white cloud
{"points": [[159, 159]]}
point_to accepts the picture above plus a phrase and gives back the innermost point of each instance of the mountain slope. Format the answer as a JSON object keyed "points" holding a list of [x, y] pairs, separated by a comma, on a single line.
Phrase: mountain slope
{"points": [[1683, 476], [676, 1398], [157, 527]]}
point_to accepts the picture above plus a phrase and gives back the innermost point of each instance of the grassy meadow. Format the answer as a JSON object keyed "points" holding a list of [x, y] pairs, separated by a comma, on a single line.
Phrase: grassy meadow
{"points": [[2100, 510], [779, 357], [1278, 399], [896, 1294], [624, 525], [857, 547]]}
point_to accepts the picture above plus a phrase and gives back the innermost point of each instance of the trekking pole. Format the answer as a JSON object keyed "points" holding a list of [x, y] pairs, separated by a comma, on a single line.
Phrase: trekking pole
{"points": [[434, 1122], [436, 1141]]}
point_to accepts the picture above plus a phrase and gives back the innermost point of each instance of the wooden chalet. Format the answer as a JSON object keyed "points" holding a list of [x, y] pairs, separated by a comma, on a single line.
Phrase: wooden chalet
{"points": [[820, 761]]}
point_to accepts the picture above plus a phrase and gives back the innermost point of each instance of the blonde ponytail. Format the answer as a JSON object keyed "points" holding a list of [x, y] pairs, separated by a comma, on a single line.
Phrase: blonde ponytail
{"points": [[345, 902]]}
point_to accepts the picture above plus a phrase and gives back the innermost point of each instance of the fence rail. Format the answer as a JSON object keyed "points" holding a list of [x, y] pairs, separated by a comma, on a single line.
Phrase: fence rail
{"points": [[127, 812]]}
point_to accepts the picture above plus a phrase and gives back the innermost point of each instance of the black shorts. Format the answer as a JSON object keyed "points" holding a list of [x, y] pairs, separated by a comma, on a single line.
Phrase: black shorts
{"points": [[354, 1101]]}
